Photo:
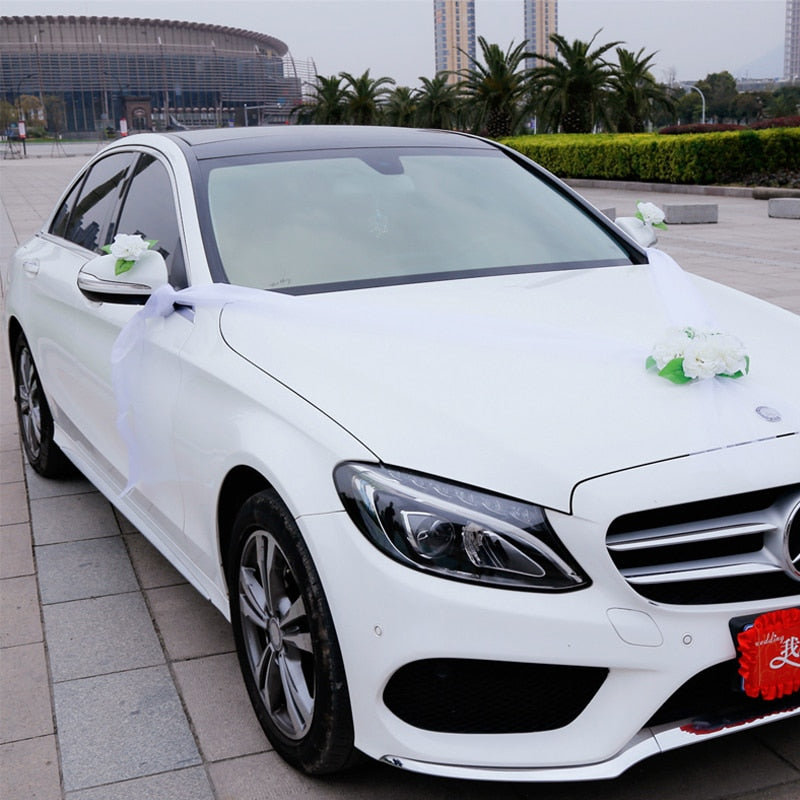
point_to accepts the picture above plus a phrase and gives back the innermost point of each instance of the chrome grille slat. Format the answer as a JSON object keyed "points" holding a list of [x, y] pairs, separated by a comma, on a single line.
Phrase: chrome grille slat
{"points": [[723, 550], [678, 573], [659, 539]]}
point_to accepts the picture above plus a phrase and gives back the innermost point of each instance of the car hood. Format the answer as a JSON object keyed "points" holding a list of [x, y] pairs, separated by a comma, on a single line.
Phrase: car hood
{"points": [[522, 384]]}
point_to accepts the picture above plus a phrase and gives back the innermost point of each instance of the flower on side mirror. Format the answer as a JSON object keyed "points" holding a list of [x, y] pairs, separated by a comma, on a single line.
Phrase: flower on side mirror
{"points": [[127, 248]]}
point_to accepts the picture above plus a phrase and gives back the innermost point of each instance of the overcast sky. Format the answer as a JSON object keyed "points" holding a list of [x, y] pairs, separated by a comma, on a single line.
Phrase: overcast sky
{"points": [[395, 37]]}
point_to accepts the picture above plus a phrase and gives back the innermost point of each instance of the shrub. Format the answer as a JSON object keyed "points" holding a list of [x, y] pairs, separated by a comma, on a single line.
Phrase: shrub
{"points": [[776, 122], [707, 158], [700, 127]]}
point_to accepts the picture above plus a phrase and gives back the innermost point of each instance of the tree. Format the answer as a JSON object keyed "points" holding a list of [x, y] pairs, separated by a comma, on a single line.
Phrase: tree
{"points": [[328, 106], [784, 102], [720, 92], [497, 90], [29, 107], [748, 107], [401, 107], [55, 112], [573, 84], [8, 114], [635, 91], [438, 103], [364, 96]]}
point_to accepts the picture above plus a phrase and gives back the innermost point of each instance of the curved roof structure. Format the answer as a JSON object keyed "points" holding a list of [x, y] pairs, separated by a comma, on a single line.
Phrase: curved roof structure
{"points": [[152, 72], [49, 31]]}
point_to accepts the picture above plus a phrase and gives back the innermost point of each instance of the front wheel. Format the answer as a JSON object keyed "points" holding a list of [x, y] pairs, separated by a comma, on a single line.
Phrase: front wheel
{"points": [[34, 417], [285, 640]]}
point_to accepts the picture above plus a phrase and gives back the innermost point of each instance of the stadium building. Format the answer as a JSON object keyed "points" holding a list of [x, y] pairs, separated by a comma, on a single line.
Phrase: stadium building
{"points": [[98, 74]]}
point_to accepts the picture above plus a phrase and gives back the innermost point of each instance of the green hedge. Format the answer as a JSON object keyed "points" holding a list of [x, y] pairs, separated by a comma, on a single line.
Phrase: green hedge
{"points": [[707, 158]]}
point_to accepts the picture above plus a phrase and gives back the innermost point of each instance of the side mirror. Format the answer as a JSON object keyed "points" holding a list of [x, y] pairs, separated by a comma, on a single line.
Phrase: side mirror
{"points": [[639, 231], [98, 281]]}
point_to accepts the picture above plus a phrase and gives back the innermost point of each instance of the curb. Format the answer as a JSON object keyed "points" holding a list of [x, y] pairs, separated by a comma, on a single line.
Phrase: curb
{"points": [[666, 188]]}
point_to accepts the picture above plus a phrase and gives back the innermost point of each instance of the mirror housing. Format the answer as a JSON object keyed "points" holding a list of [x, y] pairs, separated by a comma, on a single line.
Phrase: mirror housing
{"points": [[98, 281], [641, 233]]}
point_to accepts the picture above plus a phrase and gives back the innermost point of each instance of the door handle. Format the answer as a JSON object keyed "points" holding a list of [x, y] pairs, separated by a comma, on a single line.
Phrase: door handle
{"points": [[31, 266]]}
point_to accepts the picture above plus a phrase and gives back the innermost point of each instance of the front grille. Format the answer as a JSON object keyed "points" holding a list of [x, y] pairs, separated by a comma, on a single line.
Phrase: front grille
{"points": [[449, 695], [723, 550]]}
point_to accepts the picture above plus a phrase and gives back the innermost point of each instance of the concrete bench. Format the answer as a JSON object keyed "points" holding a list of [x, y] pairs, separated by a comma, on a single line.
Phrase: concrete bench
{"points": [[691, 214], [784, 207]]}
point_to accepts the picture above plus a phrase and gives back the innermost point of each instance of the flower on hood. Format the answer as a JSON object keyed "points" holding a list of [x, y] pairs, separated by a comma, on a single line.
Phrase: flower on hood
{"points": [[686, 355]]}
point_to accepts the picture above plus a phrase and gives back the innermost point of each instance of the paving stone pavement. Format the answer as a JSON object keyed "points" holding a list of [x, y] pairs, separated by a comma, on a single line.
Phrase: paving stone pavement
{"points": [[119, 682]]}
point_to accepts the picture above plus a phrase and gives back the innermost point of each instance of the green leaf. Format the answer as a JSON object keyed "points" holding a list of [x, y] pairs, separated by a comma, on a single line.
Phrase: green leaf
{"points": [[106, 248], [650, 363], [673, 371], [740, 373], [122, 266]]}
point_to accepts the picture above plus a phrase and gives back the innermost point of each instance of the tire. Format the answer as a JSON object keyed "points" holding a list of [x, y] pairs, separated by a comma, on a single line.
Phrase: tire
{"points": [[286, 642], [34, 417]]}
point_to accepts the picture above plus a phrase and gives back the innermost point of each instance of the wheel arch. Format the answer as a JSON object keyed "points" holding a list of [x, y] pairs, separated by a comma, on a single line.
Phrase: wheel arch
{"points": [[240, 484], [14, 332]]}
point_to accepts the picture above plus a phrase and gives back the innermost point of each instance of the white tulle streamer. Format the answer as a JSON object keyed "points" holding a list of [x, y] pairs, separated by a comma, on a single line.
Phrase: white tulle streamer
{"points": [[718, 400]]}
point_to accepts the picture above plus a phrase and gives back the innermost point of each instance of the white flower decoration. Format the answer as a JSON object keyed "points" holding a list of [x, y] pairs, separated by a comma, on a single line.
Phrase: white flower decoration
{"points": [[127, 248], [650, 214], [685, 355]]}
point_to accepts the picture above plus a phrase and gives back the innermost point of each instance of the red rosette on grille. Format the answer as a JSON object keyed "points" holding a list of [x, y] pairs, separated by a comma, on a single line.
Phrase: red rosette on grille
{"points": [[769, 654]]}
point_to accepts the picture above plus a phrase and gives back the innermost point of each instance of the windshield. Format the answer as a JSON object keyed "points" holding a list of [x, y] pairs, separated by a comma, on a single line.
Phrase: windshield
{"points": [[338, 218]]}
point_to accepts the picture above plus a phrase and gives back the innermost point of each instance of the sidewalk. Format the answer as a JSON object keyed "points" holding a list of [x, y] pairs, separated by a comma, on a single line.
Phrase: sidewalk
{"points": [[118, 682]]}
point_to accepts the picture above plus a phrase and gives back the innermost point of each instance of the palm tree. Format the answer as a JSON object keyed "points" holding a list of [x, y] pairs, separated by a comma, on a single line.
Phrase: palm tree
{"points": [[438, 103], [497, 89], [328, 106], [636, 92], [572, 84], [401, 107], [364, 96]]}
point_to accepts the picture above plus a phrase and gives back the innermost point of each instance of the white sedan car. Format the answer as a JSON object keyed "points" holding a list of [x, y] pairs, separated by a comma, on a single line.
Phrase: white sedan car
{"points": [[486, 489]]}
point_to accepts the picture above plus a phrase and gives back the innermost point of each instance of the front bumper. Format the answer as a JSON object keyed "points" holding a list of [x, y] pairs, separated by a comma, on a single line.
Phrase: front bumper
{"points": [[389, 616]]}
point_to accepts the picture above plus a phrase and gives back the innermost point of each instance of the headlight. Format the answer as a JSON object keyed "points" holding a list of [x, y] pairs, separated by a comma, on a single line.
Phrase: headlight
{"points": [[456, 532]]}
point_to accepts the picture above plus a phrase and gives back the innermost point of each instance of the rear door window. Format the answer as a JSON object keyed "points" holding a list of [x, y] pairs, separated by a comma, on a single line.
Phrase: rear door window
{"points": [[83, 217]]}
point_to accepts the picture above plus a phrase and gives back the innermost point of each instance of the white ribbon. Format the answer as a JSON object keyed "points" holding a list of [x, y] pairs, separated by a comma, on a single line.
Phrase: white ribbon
{"points": [[717, 400], [126, 353]]}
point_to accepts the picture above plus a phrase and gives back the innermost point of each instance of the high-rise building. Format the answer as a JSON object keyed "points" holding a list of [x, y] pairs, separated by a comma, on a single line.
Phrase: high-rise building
{"points": [[791, 53], [454, 35], [541, 21]]}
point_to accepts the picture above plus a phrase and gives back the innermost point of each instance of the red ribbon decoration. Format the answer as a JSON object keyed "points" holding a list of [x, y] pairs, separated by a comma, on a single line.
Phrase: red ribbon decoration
{"points": [[769, 659]]}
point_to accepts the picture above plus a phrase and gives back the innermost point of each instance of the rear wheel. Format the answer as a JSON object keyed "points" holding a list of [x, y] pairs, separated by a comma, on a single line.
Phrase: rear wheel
{"points": [[286, 642], [34, 417]]}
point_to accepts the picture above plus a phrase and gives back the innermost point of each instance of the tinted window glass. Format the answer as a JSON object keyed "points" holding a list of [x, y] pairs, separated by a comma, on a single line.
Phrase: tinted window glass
{"points": [[98, 196], [61, 220], [149, 210], [387, 215]]}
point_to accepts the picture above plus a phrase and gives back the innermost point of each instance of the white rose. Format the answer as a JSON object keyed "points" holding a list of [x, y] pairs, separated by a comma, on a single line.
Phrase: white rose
{"points": [[128, 247], [651, 213], [672, 346], [714, 354]]}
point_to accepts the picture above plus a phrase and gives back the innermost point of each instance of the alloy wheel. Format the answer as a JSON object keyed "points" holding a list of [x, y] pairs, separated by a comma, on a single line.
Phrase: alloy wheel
{"points": [[28, 403], [275, 627]]}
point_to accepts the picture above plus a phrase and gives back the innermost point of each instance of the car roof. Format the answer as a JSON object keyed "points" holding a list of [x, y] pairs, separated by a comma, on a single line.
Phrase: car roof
{"points": [[217, 142]]}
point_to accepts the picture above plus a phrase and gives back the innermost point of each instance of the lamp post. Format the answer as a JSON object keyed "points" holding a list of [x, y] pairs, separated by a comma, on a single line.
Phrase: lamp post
{"points": [[702, 97], [119, 97], [20, 117]]}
